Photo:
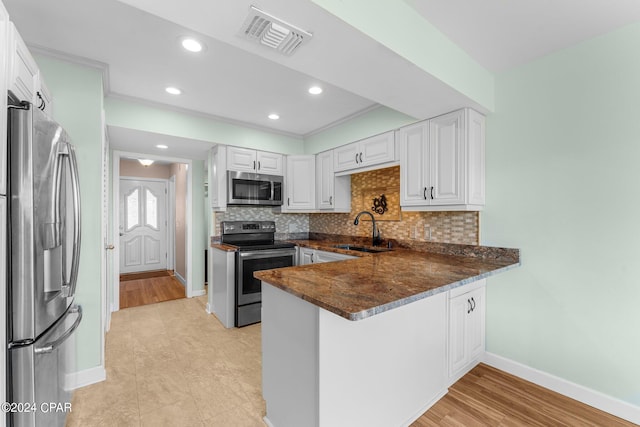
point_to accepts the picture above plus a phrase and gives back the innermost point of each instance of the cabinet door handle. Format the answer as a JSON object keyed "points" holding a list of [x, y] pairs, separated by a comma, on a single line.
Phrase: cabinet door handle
{"points": [[424, 193], [258, 164], [331, 200], [288, 201], [473, 301], [312, 253], [254, 165], [431, 192], [356, 157], [360, 157]]}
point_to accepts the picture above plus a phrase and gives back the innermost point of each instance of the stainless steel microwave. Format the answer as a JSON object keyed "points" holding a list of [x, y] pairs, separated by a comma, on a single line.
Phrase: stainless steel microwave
{"points": [[245, 188]]}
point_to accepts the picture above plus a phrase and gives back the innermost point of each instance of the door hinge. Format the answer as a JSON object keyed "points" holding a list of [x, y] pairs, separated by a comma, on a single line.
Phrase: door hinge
{"points": [[165, 191]]}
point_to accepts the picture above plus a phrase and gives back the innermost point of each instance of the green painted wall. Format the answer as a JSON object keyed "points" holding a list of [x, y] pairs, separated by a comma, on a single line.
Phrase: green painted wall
{"points": [[371, 123], [77, 94], [199, 224], [563, 152], [129, 114], [397, 25]]}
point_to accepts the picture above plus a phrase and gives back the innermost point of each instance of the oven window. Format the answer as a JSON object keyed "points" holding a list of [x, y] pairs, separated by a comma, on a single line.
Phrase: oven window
{"points": [[246, 189], [251, 285]]}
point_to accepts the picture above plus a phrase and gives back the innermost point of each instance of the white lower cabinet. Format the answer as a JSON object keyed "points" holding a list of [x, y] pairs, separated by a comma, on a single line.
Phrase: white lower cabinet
{"points": [[315, 256], [466, 328]]}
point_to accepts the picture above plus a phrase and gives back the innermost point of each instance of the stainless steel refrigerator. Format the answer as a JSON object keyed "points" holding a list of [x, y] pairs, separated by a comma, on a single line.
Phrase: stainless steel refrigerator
{"points": [[43, 249]]}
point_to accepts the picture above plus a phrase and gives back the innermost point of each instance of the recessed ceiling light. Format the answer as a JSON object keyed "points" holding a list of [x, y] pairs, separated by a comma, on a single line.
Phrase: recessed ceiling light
{"points": [[162, 146], [173, 90], [274, 116], [315, 90], [192, 45]]}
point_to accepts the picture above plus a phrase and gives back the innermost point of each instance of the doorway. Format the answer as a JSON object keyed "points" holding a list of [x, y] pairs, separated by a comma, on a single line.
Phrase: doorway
{"points": [[143, 225], [150, 207]]}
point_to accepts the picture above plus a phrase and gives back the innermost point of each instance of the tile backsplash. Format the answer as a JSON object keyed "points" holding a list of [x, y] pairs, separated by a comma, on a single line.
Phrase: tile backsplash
{"points": [[441, 227], [288, 226]]}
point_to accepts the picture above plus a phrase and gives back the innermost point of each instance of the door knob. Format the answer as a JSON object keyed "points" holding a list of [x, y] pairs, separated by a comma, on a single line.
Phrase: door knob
{"points": [[110, 247]]}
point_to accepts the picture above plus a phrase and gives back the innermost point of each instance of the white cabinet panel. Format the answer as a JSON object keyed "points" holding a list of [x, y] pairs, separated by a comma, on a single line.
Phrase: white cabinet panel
{"points": [[247, 160], [332, 193], [376, 150], [315, 256], [414, 152], [448, 154], [4, 59], [346, 157], [300, 186], [466, 328], [241, 159], [269, 163], [305, 256], [22, 68], [442, 163], [218, 178]]}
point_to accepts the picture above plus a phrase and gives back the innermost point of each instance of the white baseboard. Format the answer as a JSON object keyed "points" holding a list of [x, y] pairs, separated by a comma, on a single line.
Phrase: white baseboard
{"points": [[180, 278], [87, 377], [208, 308], [198, 293], [590, 397], [267, 422]]}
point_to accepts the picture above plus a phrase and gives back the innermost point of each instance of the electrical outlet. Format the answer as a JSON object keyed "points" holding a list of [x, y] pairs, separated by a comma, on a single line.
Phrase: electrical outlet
{"points": [[413, 232], [427, 232], [293, 227]]}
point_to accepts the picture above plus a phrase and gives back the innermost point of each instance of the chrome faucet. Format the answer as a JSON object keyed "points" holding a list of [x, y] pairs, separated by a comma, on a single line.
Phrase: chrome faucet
{"points": [[375, 235]]}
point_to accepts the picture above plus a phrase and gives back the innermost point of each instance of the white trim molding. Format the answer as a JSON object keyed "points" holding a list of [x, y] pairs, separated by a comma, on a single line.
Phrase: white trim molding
{"points": [[596, 399], [87, 377], [198, 293]]}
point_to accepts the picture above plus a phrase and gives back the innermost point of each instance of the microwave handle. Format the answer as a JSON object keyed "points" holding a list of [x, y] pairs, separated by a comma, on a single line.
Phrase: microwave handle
{"points": [[273, 189]]}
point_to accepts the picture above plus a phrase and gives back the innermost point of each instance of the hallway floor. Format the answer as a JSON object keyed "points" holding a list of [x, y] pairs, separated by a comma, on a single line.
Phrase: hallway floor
{"points": [[149, 288], [171, 364]]}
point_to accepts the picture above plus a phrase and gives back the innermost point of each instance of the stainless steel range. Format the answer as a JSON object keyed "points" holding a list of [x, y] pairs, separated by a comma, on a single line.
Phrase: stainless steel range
{"points": [[257, 250]]}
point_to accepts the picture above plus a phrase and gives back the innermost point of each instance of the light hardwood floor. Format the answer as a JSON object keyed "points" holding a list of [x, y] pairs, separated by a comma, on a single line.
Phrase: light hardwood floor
{"points": [[149, 290], [171, 364]]}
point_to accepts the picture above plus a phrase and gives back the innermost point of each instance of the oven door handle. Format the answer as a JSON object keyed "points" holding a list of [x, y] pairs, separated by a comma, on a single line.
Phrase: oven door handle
{"points": [[266, 253]]}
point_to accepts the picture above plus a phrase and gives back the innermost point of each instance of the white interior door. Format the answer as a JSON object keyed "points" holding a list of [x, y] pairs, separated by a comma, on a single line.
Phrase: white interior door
{"points": [[143, 225]]}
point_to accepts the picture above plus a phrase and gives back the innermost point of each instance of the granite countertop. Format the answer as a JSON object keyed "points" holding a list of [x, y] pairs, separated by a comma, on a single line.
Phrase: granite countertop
{"points": [[374, 283]]}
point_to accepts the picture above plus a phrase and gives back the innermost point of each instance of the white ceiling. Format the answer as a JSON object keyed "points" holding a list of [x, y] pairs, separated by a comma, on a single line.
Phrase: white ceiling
{"points": [[243, 82], [501, 34]]}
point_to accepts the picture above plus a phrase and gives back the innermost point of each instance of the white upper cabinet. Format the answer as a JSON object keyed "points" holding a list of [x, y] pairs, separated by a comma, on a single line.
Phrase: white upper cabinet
{"points": [[363, 154], [247, 160], [218, 178], [300, 184], [442, 163], [332, 193], [22, 70], [269, 163], [4, 58]]}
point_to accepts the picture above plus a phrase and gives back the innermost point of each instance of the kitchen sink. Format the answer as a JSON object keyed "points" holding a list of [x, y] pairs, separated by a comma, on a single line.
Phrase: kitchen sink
{"points": [[361, 248]]}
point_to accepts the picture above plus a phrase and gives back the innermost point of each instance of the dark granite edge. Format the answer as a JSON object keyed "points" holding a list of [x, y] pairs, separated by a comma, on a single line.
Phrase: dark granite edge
{"points": [[361, 315]]}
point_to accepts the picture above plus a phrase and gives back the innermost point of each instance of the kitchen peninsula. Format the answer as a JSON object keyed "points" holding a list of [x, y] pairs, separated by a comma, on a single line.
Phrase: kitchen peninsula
{"points": [[374, 340]]}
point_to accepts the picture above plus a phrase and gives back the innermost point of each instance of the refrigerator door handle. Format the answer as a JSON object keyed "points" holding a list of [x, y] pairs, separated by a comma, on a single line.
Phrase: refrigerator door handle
{"points": [[50, 346], [76, 222], [75, 182]]}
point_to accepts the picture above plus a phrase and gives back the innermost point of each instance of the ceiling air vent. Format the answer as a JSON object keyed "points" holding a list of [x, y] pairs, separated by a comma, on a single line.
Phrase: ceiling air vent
{"points": [[273, 32]]}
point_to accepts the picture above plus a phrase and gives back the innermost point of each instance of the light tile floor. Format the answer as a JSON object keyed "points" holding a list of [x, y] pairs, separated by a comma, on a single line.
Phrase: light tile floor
{"points": [[172, 364]]}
